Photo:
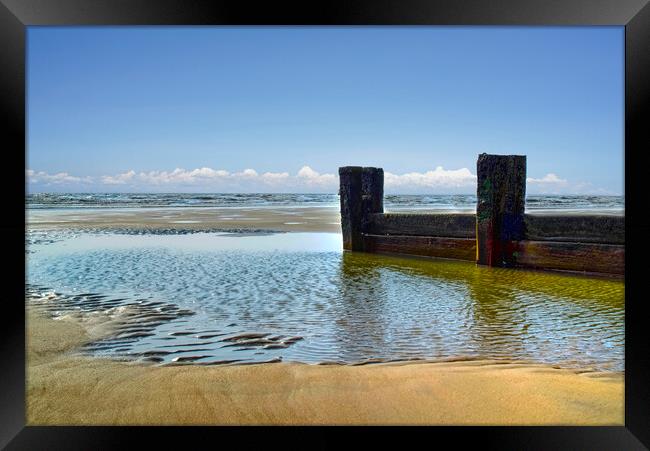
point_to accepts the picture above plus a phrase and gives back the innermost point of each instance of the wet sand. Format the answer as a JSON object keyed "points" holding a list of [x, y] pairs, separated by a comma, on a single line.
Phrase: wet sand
{"points": [[64, 388], [284, 219]]}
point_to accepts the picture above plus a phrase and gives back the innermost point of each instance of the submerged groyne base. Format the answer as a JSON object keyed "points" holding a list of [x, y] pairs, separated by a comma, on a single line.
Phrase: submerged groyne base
{"points": [[499, 234]]}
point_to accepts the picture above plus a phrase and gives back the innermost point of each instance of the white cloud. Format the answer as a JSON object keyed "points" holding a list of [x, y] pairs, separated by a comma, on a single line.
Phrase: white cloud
{"points": [[207, 173], [119, 179], [54, 179], [550, 184], [180, 177], [247, 173], [205, 179], [307, 172], [275, 175], [208, 179], [549, 179], [314, 179], [275, 179], [439, 180]]}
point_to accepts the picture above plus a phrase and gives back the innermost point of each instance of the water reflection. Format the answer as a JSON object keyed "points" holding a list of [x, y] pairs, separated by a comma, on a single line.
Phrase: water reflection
{"points": [[362, 327], [345, 307], [456, 309]]}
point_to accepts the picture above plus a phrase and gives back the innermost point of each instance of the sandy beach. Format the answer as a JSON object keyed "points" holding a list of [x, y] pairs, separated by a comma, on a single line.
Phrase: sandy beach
{"points": [[282, 219], [64, 388]]}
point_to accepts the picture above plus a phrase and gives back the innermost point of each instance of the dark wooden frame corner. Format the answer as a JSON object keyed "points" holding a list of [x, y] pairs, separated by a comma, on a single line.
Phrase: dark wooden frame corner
{"points": [[634, 15]]}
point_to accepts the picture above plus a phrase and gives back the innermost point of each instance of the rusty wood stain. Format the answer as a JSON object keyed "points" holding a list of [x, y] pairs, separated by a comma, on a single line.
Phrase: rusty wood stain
{"points": [[600, 258], [499, 234], [426, 246]]}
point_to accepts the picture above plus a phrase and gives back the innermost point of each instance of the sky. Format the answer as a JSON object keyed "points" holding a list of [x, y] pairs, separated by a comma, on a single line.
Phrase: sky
{"points": [[279, 109]]}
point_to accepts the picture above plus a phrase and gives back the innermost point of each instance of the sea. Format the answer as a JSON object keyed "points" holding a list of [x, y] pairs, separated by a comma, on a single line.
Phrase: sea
{"points": [[560, 203]]}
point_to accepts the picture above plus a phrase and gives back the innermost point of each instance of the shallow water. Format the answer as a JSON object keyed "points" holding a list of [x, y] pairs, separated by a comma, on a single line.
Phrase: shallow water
{"points": [[210, 298]]}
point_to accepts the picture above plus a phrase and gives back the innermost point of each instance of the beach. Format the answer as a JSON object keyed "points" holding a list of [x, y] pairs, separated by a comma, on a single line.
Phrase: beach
{"points": [[292, 219], [320, 218], [67, 389], [328, 374]]}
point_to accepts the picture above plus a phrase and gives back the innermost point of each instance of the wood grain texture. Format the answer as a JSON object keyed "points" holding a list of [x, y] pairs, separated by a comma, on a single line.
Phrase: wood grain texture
{"points": [[351, 209], [427, 246], [501, 194], [372, 194], [441, 225], [577, 228], [597, 258]]}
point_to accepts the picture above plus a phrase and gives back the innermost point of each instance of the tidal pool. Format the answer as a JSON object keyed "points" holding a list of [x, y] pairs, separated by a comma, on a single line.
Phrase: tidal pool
{"points": [[209, 298]]}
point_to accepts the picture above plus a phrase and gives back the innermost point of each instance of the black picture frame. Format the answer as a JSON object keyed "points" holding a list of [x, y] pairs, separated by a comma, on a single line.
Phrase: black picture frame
{"points": [[634, 15]]}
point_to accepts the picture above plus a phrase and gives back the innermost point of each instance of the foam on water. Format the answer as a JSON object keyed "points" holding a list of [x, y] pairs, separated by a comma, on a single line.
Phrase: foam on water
{"points": [[208, 298], [392, 202]]}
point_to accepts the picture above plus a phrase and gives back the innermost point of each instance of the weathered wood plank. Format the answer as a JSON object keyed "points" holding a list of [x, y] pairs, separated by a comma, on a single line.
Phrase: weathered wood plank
{"points": [[598, 258], [576, 228], [442, 225], [456, 248], [372, 194], [501, 192], [351, 209], [498, 235]]}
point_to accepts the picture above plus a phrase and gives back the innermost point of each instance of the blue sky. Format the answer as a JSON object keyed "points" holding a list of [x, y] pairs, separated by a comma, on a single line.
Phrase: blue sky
{"points": [[277, 109]]}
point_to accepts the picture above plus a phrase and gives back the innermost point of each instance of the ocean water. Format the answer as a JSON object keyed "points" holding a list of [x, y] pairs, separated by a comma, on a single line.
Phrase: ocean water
{"points": [[605, 204], [215, 298]]}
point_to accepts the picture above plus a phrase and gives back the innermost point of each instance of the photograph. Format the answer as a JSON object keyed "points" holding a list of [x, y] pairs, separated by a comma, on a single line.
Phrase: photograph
{"points": [[325, 225]]}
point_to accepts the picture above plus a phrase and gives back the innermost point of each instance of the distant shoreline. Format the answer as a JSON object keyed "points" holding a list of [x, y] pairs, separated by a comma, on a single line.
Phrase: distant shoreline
{"points": [[279, 219], [269, 218]]}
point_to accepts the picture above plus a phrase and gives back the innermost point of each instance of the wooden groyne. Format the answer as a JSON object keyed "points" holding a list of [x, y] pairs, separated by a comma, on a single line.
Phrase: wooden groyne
{"points": [[499, 234]]}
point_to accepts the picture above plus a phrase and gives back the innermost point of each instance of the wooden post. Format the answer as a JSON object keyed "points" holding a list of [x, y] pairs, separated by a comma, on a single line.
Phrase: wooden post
{"points": [[362, 194], [351, 208], [372, 194], [501, 194]]}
